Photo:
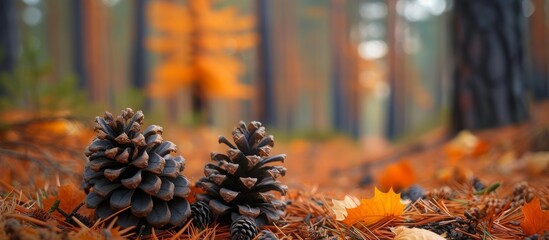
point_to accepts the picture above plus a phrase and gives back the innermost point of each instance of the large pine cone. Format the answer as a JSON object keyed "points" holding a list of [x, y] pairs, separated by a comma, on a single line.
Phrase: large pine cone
{"points": [[241, 180], [130, 168]]}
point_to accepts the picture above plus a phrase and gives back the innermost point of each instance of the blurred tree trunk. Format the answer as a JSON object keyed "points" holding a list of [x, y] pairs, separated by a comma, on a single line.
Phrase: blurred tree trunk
{"points": [[395, 116], [139, 73], [9, 44], [344, 84], [266, 64], [77, 29], [539, 37], [489, 84]]}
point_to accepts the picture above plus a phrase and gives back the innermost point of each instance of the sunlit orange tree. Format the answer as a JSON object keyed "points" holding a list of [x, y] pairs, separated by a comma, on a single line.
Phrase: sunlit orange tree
{"points": [[197, 43]]}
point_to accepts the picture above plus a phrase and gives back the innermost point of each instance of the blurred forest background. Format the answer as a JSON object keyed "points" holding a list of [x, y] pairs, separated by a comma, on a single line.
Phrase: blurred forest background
{"points": [[369, 69]]}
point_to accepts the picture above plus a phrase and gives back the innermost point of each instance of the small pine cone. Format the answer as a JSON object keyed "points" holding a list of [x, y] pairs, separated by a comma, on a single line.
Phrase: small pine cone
{"points": [[243, 179], [442, 193], [496, 204], [201, 214], [521, 192], [40, 214], [267, 235], [414, 193], [132, 168], [478, 185], [11, 226], [243, 228], [311, 232]]}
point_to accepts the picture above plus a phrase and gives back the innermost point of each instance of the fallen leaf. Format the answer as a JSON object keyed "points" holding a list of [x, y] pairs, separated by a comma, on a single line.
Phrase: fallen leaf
{"points": [[404, 233], [506, 162], [465, 144], [537, 162], [69, 197], [374, 209], [340, 206], [457, 173], [397, 176], [535, 220]]}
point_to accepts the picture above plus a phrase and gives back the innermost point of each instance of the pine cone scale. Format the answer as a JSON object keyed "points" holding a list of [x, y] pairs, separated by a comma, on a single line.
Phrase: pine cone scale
{"points": [[121, 198], [133, 181], [142, 204]]}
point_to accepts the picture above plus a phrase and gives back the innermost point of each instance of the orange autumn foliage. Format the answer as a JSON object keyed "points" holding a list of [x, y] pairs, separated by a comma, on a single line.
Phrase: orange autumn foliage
{"points": [[535, 220], [196, 43], [397, 176], [372, 210], [69, 197]]}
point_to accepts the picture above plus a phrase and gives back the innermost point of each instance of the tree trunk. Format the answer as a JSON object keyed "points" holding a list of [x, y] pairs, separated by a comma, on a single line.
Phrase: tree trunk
{"points": [[9, 43], [139, 73], [266, 66], [77, 29], [490, 68]]}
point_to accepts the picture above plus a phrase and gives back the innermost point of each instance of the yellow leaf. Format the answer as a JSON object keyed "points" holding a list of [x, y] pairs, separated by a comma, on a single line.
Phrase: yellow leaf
{"points": [[535, 220], [372, 210], [404, 233]]}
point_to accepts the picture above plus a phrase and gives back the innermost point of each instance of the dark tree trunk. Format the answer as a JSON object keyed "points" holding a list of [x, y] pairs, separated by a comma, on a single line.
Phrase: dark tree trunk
{"points": [[490, 68], [139, 73], [266, 64], [77, 29], [9, 43], [139, 59]]}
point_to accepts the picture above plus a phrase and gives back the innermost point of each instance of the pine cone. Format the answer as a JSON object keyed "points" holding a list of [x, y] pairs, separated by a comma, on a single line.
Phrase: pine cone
{"points": [[202, 215], [241, 181], [243, 228], [267, 235], [128, 167]]}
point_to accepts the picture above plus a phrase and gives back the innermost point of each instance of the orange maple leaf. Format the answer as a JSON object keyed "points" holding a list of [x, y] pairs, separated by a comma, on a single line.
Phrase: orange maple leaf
{"points": [[535, 220], [372, 210], [69, 197]]}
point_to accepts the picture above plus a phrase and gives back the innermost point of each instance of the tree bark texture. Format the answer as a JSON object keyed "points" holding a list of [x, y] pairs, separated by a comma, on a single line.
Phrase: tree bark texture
{"points": [[490, 75]]}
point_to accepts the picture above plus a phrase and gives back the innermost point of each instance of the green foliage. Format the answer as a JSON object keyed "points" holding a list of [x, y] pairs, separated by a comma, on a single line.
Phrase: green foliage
{"points": [[30, 87]]}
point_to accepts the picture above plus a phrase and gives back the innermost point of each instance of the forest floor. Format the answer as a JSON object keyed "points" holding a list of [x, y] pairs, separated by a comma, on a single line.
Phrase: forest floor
{"points": [[480, 185]]}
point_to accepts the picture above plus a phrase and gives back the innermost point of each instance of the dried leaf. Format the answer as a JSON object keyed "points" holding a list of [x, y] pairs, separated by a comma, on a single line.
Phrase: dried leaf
{"points": [[374, 209], [537, 162], [404, 233], [70, 197], [397, 176], [535, 220], [340, 206], [465, 144]]}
